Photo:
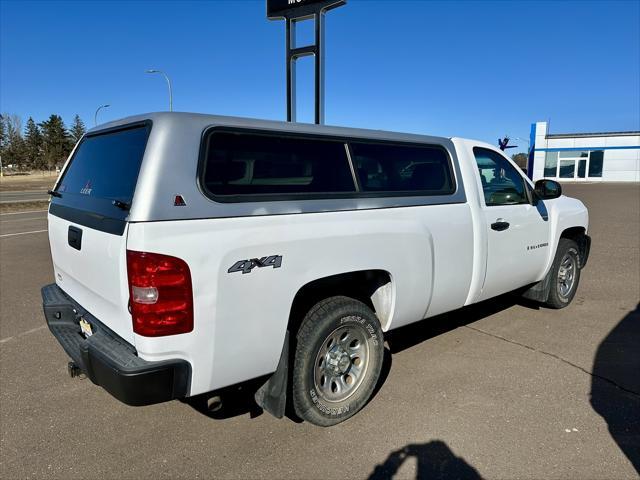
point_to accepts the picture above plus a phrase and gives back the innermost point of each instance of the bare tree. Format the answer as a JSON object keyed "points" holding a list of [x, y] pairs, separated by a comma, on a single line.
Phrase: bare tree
{"points": [[13, 152]]}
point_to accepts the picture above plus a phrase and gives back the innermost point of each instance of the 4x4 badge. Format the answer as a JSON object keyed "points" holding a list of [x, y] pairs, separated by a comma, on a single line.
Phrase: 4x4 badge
{"points": [[246, 266]]}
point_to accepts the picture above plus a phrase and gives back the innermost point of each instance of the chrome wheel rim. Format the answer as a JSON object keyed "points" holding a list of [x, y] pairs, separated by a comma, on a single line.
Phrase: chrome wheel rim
{"points": [[566, 275], [341, 363]]}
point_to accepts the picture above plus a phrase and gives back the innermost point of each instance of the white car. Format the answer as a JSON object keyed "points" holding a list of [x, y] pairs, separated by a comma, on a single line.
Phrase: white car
{"points": [[195, 252]]}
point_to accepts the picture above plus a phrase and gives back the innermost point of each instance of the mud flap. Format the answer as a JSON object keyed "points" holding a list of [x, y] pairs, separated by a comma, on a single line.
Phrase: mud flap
{"points": [[539, 292], [584, 246], [272, 395]]}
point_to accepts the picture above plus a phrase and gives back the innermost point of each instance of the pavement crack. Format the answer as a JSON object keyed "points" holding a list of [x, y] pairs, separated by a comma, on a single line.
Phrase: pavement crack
{"points": [[557, 357]]}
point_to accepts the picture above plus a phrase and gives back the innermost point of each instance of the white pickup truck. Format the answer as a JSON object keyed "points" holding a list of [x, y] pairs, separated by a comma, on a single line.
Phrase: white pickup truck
{"points": [[195, 252]]}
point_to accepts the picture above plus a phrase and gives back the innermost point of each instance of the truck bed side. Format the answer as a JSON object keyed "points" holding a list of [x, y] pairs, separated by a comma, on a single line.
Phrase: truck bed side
{"points": [[240, 319]]}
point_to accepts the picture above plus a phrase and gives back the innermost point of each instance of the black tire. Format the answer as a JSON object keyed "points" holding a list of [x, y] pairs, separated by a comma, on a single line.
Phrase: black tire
{"points": [[320, 365], [567, 254]]}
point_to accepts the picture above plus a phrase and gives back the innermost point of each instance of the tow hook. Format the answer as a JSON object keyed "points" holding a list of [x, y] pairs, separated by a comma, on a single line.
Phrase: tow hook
{"points": [[73, 370]]}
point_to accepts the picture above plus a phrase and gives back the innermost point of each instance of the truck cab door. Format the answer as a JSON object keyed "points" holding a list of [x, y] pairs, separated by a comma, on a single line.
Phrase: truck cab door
{"points": [[517, 232]]}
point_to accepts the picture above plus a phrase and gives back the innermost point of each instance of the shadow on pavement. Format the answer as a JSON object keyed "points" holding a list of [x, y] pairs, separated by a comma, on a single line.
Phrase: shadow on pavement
{"points": [[615, 387], [435, 460], [238, 399], [415, 333]]}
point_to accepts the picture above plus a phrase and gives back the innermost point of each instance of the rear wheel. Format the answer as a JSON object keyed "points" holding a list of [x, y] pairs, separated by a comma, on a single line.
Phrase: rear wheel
{"points": [[565, 274], [337, 362]]}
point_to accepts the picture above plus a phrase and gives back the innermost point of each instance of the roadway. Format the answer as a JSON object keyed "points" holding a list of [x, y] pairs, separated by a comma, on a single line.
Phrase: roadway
{"points": [[499, 390], [23, 196]]}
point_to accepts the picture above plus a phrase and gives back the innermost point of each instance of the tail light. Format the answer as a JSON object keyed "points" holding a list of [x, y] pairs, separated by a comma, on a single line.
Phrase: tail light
{"points": [[160, 294]]}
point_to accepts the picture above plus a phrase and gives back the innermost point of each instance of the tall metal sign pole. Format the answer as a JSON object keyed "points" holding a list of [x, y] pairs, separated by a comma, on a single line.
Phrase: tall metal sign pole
{"points": [[293, 11]]}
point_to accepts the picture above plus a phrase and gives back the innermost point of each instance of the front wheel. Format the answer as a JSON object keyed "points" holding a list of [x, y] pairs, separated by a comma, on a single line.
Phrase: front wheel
{"points": [[565, 274], [337, 362]]}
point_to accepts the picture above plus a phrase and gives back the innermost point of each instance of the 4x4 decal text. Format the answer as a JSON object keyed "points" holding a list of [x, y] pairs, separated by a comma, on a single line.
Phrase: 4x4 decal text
{"points": [[246, 266]]}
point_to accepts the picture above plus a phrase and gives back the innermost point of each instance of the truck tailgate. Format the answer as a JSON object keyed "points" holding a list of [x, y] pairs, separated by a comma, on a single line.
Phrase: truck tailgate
{"points": [[95, 276], [88, 222]]}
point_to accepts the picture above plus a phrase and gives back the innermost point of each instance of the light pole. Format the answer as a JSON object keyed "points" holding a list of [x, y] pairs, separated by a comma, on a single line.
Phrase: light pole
{"points": [[522, 139], [95, 116], [168, 84]]}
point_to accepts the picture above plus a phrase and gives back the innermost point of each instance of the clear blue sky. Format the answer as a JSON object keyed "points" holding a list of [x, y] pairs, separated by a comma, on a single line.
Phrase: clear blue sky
{"points": [[473, 69]]}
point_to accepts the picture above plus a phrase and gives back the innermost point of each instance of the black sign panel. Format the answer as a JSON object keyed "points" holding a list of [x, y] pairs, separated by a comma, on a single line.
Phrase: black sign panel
{"points": [[278, 9]]}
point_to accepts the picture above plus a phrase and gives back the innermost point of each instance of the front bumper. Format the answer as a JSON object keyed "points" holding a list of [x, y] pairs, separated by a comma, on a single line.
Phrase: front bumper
{"points": [[110, 361]]}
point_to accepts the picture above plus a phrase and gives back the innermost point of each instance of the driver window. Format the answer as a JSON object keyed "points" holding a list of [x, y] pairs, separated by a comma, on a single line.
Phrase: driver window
{"points": [[501, 182]]}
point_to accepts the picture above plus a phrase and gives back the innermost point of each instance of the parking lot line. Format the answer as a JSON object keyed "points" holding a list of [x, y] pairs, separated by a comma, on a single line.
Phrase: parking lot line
{"points": [[5, 221], [21, 233], [22, 334], [20, 213]]}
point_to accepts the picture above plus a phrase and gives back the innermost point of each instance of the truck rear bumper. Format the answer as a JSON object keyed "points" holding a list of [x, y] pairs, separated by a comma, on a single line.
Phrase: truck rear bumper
{"points": [[108, 360]]}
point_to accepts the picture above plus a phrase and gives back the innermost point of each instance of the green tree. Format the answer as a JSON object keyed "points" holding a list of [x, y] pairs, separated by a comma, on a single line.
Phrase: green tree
{"points": [[56, 142], [521, 160], [33, 144], [77, 129]]}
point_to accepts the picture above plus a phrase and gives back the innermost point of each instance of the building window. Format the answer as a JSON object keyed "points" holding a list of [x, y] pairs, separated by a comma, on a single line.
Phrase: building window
{"points": [[573, 154], [595, 163], [573, 163], [582, 166], [551, 164], [567, 168]]}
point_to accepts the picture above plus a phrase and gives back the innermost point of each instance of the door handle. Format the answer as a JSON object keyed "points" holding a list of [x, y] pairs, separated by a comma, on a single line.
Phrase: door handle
{"points": [[74, 237], [499, 225]]}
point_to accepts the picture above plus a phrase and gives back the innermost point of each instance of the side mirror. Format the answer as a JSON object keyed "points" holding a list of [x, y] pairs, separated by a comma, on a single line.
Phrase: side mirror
{"points": [[548, 189]]}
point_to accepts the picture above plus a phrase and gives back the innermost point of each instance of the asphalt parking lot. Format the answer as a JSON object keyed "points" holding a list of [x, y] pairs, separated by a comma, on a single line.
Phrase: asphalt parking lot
{"points": [[498, 390]]}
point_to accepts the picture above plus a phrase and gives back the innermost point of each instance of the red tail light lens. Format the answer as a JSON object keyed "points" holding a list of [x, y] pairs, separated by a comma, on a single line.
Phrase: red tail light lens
{"points": [[160, 294]]}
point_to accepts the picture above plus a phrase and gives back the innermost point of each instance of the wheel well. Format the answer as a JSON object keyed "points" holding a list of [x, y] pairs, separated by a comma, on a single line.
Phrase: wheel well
{"points": [[578, 235], [371, 287], [574, 233]]}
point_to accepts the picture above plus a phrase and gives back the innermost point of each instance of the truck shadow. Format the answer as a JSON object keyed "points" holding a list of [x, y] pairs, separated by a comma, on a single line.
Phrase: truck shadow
{"points": [[415, 333], [434, 460], [615, 385], [238, 399]]}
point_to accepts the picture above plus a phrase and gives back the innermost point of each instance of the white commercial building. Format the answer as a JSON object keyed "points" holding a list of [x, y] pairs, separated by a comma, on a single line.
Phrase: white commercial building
{"points": [[601, 157]]}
